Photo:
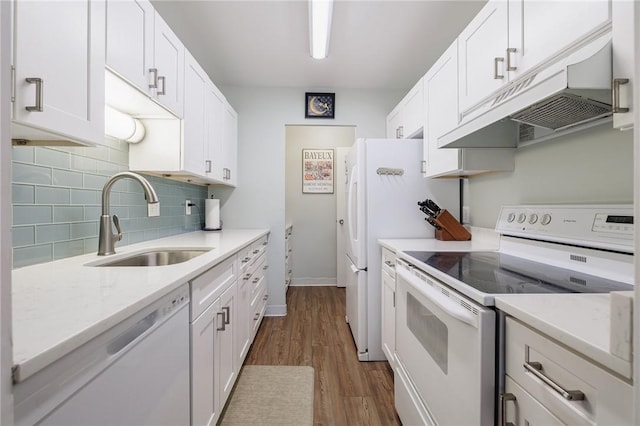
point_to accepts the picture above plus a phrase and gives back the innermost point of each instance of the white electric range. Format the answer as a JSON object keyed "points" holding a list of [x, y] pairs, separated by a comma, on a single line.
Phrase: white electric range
{"points": [[446, 326]]}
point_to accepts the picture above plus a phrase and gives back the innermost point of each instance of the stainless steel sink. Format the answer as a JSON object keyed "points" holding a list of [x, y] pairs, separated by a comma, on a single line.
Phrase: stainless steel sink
{"points": [[159, 257]]}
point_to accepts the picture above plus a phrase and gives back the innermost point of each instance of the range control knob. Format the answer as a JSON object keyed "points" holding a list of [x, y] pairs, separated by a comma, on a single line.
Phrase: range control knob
{"points": [[533, 218], [511, 217], [546, 219], [522, 217]]}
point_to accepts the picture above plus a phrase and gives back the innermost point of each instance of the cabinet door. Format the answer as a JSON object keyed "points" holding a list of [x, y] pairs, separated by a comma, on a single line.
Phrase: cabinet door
{"points": [[623, 56], [226, 362], [230, 146], [441, 113], [394, 120], [130, 40], [204, 405], [195, 91], [168, 57], [482, 51], [539, 30], [413, 111], [215, 113], [388, 317], [59, 66]]}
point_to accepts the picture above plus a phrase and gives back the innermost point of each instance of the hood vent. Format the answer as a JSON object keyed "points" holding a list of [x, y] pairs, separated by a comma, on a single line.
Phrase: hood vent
{"points": [[569, 94], [563, 111]]}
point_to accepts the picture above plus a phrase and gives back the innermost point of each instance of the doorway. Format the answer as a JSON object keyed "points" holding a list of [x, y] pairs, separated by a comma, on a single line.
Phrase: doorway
{"points": [[313, 215]]}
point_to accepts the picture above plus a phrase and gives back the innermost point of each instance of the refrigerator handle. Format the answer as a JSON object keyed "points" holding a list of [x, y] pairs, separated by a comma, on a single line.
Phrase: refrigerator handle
{"points": [[350, 209]]}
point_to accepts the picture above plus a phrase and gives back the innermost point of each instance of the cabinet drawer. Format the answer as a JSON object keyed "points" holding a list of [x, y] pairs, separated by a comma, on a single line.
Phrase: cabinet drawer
{"points": [[607, 398], [258, 276], [208, 286], [259, 247], [244, 259], [522, 409], [389, 262]]}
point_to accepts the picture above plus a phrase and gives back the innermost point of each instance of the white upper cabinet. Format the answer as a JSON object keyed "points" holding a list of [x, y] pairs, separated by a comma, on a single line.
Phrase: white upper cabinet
{"points": [[59, 51], [168, 73], [230, 146], [441, 116], [215, 113], [509, 38], [130, 40], [143, 50], [623, 63], [407, 118], [195, 121]]}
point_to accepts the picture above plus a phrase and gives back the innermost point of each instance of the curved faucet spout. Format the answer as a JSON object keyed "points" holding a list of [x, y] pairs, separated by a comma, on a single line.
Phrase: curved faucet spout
{"points": [[107, 239]]}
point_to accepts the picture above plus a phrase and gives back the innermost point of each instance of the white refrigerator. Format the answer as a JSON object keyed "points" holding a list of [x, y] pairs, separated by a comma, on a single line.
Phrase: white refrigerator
{"points": [[384, 184]]}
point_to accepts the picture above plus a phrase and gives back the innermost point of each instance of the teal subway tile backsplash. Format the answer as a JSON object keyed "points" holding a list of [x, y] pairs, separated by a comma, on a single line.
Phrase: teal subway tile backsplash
{"points": [[57, 195]]}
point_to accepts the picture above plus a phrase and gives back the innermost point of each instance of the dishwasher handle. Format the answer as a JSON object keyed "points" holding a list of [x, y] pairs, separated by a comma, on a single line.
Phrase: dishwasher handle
{"points": [[132, 333]]}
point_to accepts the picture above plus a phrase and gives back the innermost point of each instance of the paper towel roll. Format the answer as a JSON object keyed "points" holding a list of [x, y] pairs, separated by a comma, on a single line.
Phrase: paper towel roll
{"points": [[212, 214]]}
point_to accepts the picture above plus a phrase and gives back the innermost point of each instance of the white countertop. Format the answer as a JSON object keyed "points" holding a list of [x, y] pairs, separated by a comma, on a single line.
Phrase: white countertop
{"points": [[578, 321], [60, 305], [481, 239]]}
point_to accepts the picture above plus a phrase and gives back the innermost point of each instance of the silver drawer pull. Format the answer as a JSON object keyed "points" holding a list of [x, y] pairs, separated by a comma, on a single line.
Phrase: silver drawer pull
{"points": [[39, 83], [266, 296], [535, 368], [615, 94], [164, 86], [264, 268], [256, 251], [265, 243], [389, 264], [223, 326], [227, 314], [255, 280], [256, 317], [154, 83], [246, 259], [247, 276], [510, 67], [504, 398], [497, 76]]}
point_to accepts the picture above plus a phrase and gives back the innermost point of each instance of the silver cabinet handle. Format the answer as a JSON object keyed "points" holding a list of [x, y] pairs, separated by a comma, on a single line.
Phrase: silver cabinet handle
{"points": [[265, 297], [264, 268], [247, 276], [256, 316], [265, 243], [497, 76], [615, 94], [504, 398], [208, 164], [223, 326], [401, 132], [227, 314], [164, 85], [256, 279], [39, 83], [246, 259], [256, 251], [535, 368], [389, 264], [510, 67], [154, 81]]}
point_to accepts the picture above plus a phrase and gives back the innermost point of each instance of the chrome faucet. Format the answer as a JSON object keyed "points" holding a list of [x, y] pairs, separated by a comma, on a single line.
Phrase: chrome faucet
{"points": [[107, 239]]}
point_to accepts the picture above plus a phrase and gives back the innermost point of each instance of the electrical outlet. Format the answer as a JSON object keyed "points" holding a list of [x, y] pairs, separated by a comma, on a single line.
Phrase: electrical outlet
{"points": [[187, 207], [466, 214]]}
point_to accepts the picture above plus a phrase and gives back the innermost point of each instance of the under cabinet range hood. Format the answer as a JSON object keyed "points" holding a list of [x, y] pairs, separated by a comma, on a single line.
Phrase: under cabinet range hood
{"points": [[570, 94]]}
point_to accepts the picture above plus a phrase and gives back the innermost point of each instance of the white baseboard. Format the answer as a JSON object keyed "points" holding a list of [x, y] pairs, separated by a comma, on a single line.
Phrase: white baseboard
{"points": [[276, 311]]}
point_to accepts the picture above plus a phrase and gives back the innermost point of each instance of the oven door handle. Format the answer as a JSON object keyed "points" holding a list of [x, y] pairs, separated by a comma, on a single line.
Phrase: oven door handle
{"points": [[448, 305]]}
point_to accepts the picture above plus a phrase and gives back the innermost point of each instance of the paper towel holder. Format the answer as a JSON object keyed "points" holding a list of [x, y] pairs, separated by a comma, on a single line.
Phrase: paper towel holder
{"points": [[212, 220]]}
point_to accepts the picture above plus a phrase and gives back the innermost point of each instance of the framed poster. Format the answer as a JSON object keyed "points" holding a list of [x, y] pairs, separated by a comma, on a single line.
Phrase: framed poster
{"points": [[319, 105], [317, 171]]}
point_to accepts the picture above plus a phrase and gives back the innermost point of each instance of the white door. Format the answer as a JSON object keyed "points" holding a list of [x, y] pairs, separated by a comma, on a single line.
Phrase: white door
{"points": [[341, 212], [357, 307], [59, 62]]}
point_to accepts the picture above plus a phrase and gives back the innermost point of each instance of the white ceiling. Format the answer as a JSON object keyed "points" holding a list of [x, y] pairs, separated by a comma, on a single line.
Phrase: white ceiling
{"points": [[382, 44]]}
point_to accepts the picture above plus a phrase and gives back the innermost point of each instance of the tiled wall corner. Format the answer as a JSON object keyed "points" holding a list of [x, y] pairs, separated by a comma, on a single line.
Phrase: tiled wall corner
{"points": [[56, 200]]}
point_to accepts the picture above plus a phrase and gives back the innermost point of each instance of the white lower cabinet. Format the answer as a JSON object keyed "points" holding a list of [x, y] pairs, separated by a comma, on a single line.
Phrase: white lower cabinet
{"points": [[547, 383], [388, 305], [223, 325]]}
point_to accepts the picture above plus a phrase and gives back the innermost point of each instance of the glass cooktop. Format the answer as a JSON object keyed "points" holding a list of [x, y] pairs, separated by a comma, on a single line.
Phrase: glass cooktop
{"points": [[499, 273]]}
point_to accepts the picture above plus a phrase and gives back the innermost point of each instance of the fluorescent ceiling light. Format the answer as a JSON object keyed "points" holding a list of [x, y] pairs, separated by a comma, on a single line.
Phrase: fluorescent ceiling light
{"points": [[319, 27]]}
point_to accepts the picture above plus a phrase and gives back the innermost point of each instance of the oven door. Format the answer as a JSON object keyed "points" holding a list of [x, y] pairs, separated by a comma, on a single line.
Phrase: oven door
{"points": [[446, 345]]}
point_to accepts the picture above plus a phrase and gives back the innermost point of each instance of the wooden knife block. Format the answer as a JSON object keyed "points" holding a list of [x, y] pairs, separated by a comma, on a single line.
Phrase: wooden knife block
{"points": [[451, 229]]}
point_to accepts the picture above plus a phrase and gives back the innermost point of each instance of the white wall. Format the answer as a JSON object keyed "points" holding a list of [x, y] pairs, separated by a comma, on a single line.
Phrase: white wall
{"points": [[259, 199], [591, 166], [313, 216]]}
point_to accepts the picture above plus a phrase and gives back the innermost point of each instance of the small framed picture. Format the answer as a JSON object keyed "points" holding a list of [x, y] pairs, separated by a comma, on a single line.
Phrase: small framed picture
{"points": [[320, 105]]}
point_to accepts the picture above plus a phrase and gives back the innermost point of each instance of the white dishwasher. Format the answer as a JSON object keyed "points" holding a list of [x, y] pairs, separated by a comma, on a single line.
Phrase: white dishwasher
{"points": [[136, 373]]}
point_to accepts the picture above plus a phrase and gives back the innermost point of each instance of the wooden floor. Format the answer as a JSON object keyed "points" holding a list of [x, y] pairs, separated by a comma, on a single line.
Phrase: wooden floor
{"points": [[314, 332]]}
